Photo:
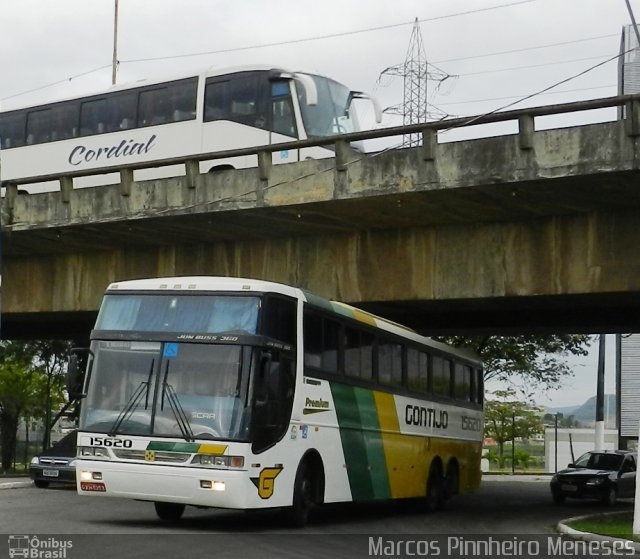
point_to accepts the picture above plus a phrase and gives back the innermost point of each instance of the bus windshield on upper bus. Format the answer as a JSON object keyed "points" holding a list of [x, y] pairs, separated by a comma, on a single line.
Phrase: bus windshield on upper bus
{"points": [[245, 394], [210, 112]]}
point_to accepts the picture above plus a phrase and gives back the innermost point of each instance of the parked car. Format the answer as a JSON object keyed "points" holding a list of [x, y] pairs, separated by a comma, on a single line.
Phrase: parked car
{"points": [[606, 476], [57, 463]]}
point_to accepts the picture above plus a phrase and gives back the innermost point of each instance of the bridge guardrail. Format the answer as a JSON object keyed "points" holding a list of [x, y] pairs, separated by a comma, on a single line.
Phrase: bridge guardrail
{"points": [[429, 130]]}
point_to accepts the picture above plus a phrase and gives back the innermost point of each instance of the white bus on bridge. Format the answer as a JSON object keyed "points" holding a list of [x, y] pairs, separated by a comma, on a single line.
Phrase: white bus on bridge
{"points": [[192, 115]]}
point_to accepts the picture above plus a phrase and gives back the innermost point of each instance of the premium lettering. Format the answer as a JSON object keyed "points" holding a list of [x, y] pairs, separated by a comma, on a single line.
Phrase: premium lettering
{"points": [[317, 403]]}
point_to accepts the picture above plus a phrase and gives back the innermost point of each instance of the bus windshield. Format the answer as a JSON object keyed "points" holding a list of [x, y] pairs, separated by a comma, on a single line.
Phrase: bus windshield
{"points": [[187, 390], [333, 114], [211, 314]]}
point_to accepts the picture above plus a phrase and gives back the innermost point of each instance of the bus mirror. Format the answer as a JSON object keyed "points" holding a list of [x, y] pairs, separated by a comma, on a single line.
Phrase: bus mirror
{"points": [[361, 95], [307, 82], [75, 375], [310, 89]]}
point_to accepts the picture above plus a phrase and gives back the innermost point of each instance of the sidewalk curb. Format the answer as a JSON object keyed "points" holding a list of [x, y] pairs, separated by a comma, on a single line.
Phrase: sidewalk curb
{"points": [[590, 537], [15, 484]]}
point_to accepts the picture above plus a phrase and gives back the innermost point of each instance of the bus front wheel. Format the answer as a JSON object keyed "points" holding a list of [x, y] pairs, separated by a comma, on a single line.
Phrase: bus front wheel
{"points": [[171, 512], [297, 514]]}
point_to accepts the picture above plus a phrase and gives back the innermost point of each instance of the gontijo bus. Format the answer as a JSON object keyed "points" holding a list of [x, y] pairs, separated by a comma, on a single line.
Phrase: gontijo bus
{"points": [[215, 110], [245, 394]]}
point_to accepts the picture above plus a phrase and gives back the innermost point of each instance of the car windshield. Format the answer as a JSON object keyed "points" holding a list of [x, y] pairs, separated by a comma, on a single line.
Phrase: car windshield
{"points": [[600, 461]]}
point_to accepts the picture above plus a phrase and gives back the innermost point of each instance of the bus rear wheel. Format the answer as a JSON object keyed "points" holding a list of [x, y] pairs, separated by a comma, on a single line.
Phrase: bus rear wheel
{"points": [[435, 494], [170, 512]]}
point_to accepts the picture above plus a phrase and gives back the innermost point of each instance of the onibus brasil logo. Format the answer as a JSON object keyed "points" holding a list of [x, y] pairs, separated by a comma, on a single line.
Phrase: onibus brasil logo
{"points": [[34, 547]]}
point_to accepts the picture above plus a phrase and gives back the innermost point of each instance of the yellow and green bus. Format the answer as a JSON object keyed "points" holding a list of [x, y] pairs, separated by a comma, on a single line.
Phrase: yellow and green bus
{"points": [[244, 394]]}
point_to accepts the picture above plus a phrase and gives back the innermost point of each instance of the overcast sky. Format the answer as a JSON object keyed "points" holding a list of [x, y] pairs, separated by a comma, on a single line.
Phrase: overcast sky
{"points": [[496, 52]]}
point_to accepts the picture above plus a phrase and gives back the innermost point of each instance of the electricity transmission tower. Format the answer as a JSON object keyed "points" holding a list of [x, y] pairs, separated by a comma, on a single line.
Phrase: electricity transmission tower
{"points": [[416, 72]]}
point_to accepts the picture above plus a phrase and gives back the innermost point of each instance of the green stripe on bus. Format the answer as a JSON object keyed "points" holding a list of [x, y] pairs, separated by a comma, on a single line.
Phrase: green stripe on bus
{"points": [[173, 447], [361, 442]]}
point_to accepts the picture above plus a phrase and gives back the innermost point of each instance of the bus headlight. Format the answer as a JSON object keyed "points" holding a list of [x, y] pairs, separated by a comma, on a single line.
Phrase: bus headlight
{"points": [[218, 461], [95, 451]]}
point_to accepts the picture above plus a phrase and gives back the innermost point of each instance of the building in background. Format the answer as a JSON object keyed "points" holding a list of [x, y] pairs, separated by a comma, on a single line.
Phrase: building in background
{"points": [[564, 440], [628, 65]]}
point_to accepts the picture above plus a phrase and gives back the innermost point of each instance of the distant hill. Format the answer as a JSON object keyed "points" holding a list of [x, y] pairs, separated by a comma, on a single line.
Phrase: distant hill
{"points": [[587, 411], [585, 414], [566, 411]]}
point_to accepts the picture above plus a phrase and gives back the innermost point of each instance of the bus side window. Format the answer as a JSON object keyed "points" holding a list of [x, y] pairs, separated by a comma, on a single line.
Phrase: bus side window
{"points": [[479, 386], [441, 376], [39, 126], [389, 363], [417, 370], [182, 99], [152, 107], [91, 116], [65, 121], [321, 342], [12, 127], [216, 101], [462, 382]]}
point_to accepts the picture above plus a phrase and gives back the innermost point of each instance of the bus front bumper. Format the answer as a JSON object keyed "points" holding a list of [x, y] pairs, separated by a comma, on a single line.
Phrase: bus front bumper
{"points": [[191, 486]]}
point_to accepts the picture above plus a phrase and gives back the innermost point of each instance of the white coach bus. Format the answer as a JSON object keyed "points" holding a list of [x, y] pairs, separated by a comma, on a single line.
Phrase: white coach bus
{"points": [[246, 394], [155, 120]]}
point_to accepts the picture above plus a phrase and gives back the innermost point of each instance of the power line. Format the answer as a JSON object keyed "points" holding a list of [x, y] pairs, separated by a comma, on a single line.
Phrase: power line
{"points": [[542, 91], [55, 83], [524, 49], [328, 36], [522, 95], [528, 67]]}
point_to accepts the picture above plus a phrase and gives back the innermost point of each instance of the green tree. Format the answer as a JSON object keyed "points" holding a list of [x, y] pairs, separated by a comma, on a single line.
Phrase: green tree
{"points": [[18, 392], [534, 359], [51, 358], [508, 418], [31, 386]]}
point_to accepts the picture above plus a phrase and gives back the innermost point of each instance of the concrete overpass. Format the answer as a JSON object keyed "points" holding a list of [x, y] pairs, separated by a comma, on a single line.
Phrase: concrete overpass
{"points": [[538, 230]]}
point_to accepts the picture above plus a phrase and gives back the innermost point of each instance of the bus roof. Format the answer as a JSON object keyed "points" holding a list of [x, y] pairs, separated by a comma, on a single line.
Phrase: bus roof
{"points": [[208, 72], [221, 283]]}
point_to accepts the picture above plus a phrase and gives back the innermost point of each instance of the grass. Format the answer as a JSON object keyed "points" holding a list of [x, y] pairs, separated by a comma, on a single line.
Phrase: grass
{"points": [[617, 525]]}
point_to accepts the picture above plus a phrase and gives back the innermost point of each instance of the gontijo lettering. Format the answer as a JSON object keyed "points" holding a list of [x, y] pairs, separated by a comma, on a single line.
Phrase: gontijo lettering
{"points": [[426, 417], [126, 148]]}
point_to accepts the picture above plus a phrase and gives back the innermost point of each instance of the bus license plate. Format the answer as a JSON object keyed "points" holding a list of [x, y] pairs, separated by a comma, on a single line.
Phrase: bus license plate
{"points": [[50, 473], [93, 486]]}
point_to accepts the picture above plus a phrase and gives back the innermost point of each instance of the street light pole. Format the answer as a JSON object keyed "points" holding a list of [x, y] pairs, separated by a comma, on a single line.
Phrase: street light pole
{"points": [[599, 434], [114, 63]]}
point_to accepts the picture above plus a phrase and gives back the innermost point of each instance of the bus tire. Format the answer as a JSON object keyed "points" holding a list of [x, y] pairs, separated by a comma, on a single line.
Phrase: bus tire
{"points": [[452, 480], [434, 497], [297, 515], [170, 512]]}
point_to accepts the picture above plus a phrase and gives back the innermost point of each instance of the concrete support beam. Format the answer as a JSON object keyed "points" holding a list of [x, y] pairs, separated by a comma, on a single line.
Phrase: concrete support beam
{"points": [[569, 255]]}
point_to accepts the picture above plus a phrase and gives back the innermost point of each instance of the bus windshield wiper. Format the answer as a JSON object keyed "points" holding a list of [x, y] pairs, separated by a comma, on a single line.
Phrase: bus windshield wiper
{"points": [[176, 408], [132, 402]]}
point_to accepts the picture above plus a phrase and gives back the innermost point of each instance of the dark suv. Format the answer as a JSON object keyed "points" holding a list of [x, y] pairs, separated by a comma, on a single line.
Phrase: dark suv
{"points": [[57, 463], [606, 476]]}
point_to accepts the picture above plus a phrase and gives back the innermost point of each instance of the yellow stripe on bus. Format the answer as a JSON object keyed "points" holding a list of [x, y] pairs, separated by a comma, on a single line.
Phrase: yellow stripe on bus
{"points": [[214, 449], [405, 455]]}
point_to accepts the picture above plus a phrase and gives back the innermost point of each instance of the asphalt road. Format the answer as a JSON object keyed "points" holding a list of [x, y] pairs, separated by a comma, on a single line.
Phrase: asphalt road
{"points": [[504, 507]]}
